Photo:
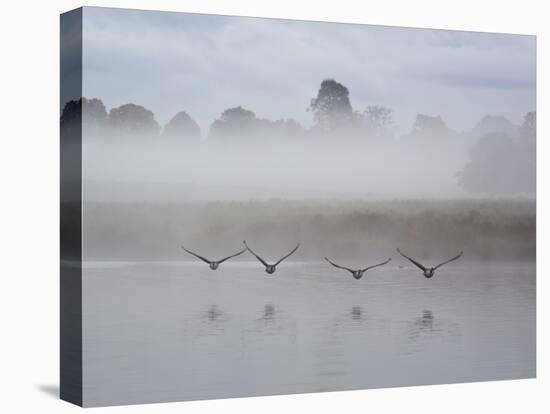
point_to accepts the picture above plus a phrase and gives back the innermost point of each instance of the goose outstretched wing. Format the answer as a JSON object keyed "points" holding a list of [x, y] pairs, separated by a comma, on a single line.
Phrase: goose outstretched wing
{"points": [[376, 265], [255, 255], [196, 255], [420, 266], [338, 266], [284, 257], [233, 255], [448, 261]]}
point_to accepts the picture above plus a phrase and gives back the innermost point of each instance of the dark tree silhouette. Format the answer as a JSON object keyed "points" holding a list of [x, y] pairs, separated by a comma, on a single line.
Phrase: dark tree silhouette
{"points": [[332, 108], [236, 123], [182, 126], [133, 119]]}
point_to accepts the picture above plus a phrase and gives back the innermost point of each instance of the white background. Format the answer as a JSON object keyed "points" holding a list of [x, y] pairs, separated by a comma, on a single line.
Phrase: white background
{"points": [[29, 197]]}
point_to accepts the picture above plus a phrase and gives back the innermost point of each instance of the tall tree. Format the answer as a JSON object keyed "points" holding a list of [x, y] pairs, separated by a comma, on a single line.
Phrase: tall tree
{"points": [[332, 107]]}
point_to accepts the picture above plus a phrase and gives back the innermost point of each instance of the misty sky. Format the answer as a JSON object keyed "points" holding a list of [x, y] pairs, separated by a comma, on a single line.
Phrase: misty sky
{"points": [[203, 64]]}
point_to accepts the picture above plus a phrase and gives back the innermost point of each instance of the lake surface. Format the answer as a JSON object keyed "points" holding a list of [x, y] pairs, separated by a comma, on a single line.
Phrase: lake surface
{"points": [[168, 331]]}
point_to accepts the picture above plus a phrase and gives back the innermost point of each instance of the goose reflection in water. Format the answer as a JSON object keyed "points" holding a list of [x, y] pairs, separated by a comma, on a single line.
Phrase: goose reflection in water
{"points": [[356, 312], [213, 314], [268, 314], [424, 326], [426, 322]]}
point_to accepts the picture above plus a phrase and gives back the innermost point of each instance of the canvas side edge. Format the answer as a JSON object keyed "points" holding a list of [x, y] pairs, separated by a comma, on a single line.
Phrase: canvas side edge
{"points": [[71, 380]]}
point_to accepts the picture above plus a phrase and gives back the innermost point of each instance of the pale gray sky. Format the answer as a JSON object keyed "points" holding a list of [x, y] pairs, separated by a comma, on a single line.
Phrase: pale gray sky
{"points": [[203, 64]]}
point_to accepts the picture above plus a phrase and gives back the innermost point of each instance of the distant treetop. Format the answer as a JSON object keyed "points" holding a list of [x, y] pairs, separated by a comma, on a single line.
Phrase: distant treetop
{"points": [[182, 126], [134, 119], [234, 122]]}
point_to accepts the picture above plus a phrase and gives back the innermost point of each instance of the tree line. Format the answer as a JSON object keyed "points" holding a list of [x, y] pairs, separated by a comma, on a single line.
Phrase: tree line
{"points": [[331, 108], [501, 157]]}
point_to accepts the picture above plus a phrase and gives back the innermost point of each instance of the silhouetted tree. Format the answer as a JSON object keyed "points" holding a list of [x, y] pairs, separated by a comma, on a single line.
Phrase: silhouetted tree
{"points": [[332, 108], [235, 122], [133, 119], [182, 126]]}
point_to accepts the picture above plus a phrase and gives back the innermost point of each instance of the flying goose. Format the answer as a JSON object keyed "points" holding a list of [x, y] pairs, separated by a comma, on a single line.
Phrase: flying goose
{"points": [[270, 268], [428, 271], [213, 263], [357, 274]]}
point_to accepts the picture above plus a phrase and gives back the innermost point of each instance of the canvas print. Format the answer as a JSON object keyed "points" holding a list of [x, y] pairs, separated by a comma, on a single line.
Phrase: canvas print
{"points": [[264, 206]]}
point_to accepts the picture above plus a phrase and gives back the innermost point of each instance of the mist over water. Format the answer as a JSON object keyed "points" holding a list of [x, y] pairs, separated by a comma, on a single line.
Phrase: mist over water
{"points": [[145, 198]]}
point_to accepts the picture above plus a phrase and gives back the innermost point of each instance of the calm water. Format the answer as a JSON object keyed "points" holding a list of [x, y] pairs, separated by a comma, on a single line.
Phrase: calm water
{"points": [[179, 331]]}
